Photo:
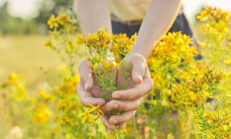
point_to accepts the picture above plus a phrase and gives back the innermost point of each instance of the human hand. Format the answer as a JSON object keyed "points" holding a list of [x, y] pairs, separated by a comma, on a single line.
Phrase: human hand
{"points": [[87, 88], [138, 84]]}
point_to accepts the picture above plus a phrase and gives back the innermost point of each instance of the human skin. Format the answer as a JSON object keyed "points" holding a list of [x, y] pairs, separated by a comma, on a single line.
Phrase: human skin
{"points": [[94, 14]]}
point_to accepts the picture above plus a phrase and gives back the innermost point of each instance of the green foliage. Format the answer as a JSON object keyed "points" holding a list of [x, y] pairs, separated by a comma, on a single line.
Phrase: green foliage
{"points": [[15, 25]]}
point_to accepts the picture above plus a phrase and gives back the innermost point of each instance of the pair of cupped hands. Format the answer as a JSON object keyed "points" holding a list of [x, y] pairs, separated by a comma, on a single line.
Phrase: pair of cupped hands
{"points": [[127, 100]]}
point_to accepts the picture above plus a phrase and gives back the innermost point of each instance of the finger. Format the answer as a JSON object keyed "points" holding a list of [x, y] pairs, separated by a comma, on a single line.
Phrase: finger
{"points": [[86, 75], [139, 90], [86, 98], [122, 105], [122, 126], [122, 118], [105, 120], [138, 68]]}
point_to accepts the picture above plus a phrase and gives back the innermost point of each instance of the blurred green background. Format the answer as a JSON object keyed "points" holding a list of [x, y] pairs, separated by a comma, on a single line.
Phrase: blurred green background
{"points": [[22, 37], [34, 23]]}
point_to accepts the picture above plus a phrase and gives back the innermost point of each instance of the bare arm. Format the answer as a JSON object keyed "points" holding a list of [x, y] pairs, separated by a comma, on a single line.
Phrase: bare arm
{"points": [[92, 15], [156, 23]]}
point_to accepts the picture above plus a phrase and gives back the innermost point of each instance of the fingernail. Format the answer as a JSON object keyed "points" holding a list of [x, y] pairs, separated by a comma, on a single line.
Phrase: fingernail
{"points": [[139, 77], [86, 86], [115, 95]]}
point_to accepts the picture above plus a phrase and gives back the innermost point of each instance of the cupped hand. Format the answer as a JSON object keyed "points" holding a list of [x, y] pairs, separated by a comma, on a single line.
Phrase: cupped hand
{"points": [[88, 89], [138, 84], [87, 86]]}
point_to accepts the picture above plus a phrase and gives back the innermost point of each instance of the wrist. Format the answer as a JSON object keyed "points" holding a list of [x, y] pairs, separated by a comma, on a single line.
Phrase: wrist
{"points": [[138, 52], [133, 54]]}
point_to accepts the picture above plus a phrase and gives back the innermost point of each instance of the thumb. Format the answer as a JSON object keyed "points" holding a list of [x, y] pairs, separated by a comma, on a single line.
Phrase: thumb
{"points": [[138, 68], [86, 75], [88, 82]]}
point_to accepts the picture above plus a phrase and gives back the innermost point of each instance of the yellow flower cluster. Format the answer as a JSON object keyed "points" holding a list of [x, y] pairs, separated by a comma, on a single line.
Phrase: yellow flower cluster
{"points": [[62, 39], [195, 87], [215, 22], [87, 115], [108, 51], [213, 123], [101, 46], [42, 114], [73, 118], [211, 13], [173, 51], [63, 20], [181, 83], [17, 85]]}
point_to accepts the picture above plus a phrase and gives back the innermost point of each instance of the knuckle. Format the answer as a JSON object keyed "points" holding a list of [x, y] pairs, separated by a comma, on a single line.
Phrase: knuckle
{"points": [[113, 101], [113, 118], [105, 109], [117, 102]]}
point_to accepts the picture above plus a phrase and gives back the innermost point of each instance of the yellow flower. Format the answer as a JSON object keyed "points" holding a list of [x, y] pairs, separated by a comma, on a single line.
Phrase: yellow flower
{"points": [[228, 62], [52, 22], [62, 68], [73, 29], [22, 91], [89, 116], [32, 100], [46, 97], [64, 19], [13, 78], [42, 114], [105, 65], [49, 44]]}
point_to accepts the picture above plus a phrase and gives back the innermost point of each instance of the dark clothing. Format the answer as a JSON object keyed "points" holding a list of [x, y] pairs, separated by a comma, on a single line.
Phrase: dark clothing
{"points": [[180, 24]]}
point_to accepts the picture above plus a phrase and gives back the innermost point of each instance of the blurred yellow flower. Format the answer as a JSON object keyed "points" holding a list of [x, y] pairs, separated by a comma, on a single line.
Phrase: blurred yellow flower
{"points": [[62, 68], [42, 114], [52, 22]]}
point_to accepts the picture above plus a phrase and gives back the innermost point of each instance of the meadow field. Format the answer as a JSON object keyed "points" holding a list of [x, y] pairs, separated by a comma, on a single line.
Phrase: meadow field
{"points": [[38, 79]]}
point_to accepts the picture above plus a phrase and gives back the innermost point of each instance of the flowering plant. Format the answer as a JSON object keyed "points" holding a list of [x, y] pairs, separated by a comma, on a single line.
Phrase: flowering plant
{"points": [[190, 99]]}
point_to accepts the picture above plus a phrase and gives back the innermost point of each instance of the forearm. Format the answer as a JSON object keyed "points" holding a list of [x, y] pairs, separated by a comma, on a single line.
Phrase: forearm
{"points": [[156, 23], [92, 15]]}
